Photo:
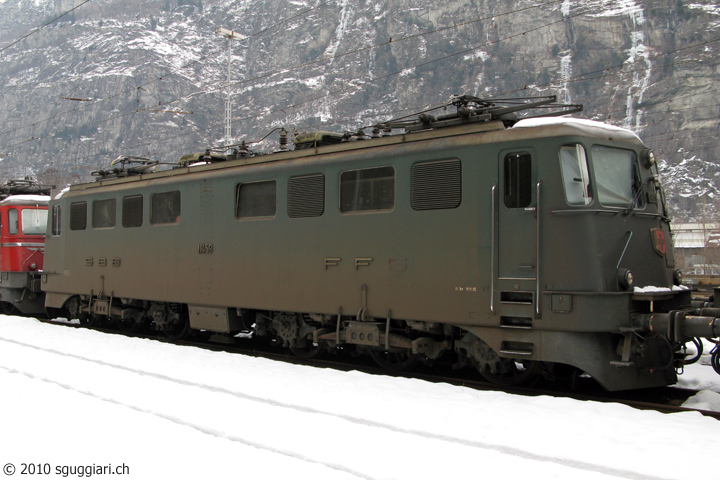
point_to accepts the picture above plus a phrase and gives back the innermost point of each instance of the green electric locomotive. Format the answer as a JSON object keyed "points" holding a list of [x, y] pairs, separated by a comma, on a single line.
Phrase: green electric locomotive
{"points": [[521, 248]]}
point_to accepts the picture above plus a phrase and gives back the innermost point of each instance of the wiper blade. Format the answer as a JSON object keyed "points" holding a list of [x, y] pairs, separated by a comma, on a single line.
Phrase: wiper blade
{"points": [[636, 198]]}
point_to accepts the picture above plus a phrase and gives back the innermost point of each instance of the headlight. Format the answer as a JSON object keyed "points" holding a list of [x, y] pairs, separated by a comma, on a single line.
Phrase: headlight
{"points": [[677, 277], [625, 278], [647, 158]]}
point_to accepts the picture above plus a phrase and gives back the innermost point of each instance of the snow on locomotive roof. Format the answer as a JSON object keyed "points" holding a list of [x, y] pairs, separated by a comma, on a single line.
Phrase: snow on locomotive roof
{"points": [[61, 192], [26, 200], [590, 126]]}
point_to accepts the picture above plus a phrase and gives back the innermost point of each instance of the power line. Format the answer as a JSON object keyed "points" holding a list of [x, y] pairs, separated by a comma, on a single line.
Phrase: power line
{"points": [[43, 26], [277, 109], [295, 67], [157, 79]]}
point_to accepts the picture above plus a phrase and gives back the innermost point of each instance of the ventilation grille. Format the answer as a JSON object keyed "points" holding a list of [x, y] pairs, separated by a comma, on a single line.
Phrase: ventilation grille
{"points": [[306, 196], [436, 185], [78, 216]]}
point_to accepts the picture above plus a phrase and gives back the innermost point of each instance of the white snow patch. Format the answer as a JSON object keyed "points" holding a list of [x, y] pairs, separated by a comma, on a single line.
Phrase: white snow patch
{"points": [[615, 8], [565, 8], [651, 289], [478, 54], [17, 199], [565, 74], [543, 121], [345, 16], [313, 82], [280, 420], [704, 400]]}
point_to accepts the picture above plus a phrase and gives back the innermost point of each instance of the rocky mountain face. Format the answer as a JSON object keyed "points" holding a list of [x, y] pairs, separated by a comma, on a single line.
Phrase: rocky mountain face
{"points": [[148, 78]]}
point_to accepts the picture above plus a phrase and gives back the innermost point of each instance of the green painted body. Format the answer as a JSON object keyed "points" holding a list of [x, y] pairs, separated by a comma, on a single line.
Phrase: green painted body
{"points": [[544, 275]]}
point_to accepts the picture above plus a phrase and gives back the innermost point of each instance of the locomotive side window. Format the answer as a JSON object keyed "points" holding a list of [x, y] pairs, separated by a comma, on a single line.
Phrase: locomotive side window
{"points": [[367, 190], [104, 213], [34, 221], [165, 208], [518, 180], [615, 175], [78, 216], [576, 179], [56, 211], [306, 196], [255, 199], [13, 221], [436, 185], [132, 214]]}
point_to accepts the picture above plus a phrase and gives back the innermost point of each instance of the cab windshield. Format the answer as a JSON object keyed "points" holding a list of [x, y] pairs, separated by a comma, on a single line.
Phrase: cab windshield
{"points": [[615, 175], [34, 221]]}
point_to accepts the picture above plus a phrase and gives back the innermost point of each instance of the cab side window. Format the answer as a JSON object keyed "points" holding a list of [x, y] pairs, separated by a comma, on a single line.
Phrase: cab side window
{"points": [[165, 208], [132, 214], [104, 213], [369, 189], [13, 228], [576, 180], [256, 200], [56, 220]]}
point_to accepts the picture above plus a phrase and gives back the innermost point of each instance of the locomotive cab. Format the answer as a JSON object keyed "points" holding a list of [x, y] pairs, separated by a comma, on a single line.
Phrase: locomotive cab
{"points": [[23, 221]]}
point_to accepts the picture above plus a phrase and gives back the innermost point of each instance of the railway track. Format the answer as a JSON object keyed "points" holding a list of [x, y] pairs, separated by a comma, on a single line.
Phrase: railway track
{"points": [[664, 400]]}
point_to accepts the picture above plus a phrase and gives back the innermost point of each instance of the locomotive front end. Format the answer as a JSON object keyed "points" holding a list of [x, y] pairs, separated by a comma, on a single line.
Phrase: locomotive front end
{"points": [[606, 263], [23, 220]]}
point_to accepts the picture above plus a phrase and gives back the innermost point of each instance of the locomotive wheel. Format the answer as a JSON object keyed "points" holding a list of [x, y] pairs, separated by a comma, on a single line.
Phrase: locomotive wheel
{"points": [[511, 372], [177, 329], [394, 361]]}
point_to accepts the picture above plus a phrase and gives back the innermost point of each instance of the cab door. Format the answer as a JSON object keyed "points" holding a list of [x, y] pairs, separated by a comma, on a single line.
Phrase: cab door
{"points": [[517, 240]]}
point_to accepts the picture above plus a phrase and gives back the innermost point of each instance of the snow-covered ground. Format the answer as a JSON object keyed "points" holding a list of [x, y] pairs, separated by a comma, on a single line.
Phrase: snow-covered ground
{"points": [[76, 401]]}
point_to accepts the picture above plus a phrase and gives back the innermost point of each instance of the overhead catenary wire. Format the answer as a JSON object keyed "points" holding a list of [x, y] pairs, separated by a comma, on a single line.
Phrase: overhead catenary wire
{"points": [[276, 109], [280, 109], [374, 46], [49, 22], [462, 52], [164, 75], [264, 76], [291, 68]]}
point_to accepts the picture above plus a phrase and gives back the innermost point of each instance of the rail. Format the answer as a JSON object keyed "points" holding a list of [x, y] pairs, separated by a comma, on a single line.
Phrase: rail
{"points": [[663, 400]]}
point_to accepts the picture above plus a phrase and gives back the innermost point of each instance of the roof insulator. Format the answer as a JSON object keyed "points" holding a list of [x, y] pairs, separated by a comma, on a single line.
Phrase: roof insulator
{"points": [[283, 140]]}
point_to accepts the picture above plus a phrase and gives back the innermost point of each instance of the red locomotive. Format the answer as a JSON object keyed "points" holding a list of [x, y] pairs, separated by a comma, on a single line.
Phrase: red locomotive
{"points": [[23, 222]]}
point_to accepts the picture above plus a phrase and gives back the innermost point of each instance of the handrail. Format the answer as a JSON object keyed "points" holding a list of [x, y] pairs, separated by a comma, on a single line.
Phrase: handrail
{"points": [[537, 252], [624, 249], [492, 250], [586, 210]]}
